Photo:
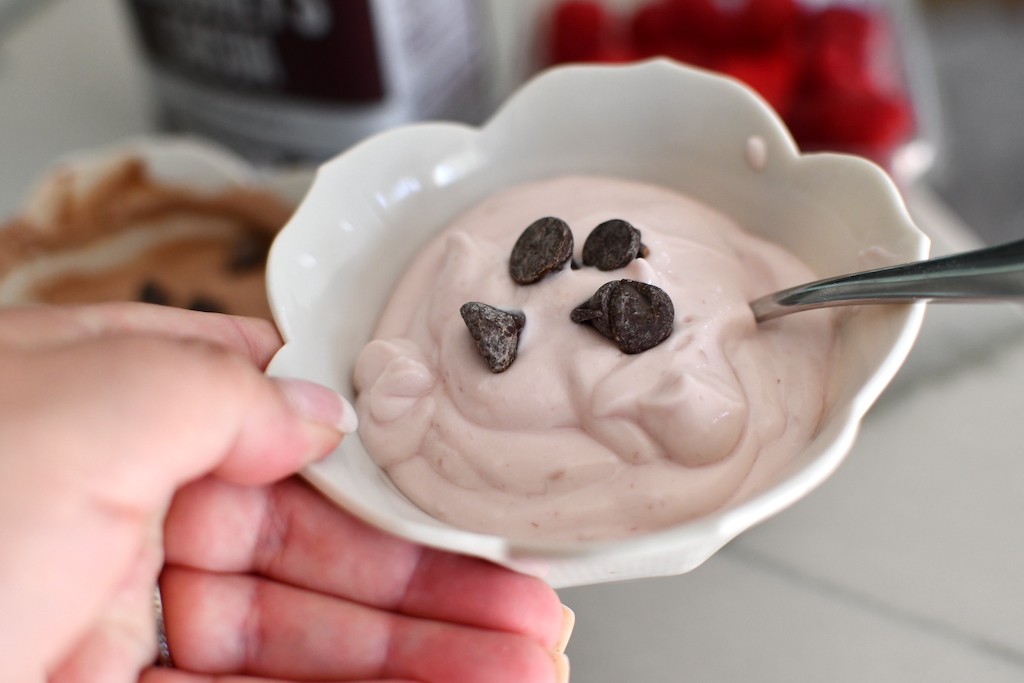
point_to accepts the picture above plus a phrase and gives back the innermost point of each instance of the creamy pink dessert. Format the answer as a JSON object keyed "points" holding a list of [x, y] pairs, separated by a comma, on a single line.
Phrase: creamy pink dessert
{"points": [[576, 439]]}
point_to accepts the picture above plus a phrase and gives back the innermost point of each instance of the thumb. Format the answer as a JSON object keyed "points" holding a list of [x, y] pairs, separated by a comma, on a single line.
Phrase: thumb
{"points": [[151, 413], [262, 453]]}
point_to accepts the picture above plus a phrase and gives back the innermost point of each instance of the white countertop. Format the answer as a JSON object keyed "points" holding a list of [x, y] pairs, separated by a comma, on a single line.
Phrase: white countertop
{"points": [[907, 565]]}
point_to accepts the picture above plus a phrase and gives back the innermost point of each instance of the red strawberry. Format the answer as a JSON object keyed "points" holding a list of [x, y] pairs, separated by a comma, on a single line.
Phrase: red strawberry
{"points": [[616, 53], [701, 22], [850, 121], [764, 23], [690, 53], [579, 28], [651, 28], [659, 27], [830, 67], [846, 26], [774, 74], [838, 47]]}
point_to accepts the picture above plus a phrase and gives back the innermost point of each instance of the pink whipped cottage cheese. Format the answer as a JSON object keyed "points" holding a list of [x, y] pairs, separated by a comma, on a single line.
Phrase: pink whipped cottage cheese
{"points": [[577, 440]]}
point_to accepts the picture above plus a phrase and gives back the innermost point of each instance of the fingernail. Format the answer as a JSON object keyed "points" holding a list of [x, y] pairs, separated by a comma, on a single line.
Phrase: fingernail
{"points": [[568, 621], [318, 403], [562, 669]]}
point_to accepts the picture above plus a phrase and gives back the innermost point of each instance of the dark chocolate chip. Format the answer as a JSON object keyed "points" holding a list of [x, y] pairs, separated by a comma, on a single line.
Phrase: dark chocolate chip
{"points": [[635, 315], [544, 246], [496, 332], [611, 245], [153, 293], [250, 251], [206, 304], [641, 316], [595, 311]]}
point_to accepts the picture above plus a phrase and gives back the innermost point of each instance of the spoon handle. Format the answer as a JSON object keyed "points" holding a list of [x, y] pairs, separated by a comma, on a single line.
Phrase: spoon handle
{"points": [[990, 273]]}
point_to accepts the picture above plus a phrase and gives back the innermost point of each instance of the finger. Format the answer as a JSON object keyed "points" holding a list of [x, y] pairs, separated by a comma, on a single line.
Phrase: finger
{"points": [[221, 624], [36, 326], [293, 534], [191, 407], [172, 676]]}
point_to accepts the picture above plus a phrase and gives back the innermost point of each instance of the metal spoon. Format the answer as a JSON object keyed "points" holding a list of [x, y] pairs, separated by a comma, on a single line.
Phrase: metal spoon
{"points": [[989, 273]]}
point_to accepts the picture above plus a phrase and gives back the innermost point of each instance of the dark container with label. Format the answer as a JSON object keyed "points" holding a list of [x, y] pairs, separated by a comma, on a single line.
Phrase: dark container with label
{"points": [[300, 80]]}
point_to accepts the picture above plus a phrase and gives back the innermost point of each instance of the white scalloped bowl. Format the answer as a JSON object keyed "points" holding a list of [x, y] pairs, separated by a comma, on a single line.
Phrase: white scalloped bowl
{"points": [[370, 210]]}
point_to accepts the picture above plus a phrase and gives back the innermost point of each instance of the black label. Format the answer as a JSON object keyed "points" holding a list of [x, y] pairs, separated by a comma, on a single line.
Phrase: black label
{"points": [[313, 49]]}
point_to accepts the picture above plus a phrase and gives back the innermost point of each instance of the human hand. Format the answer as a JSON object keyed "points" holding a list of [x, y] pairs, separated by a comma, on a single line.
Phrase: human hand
{"points": [[277, 582], [104, 413]]}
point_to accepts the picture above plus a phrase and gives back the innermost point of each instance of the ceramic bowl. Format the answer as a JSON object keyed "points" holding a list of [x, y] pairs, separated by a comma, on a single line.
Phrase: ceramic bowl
{"points": [[371, 209]]}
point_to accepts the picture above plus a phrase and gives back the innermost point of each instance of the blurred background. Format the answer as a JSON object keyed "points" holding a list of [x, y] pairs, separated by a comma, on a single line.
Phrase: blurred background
{"points": [[958, 61], [961, 57], [907, 564]]}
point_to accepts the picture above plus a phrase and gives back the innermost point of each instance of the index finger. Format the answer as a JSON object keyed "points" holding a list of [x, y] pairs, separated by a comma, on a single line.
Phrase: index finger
{"points": [[290, 533], [35, 326]]}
